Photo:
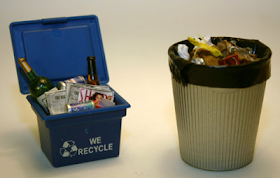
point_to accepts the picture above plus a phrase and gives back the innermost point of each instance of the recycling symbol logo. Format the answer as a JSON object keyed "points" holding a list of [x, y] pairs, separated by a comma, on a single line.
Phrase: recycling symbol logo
{"points": [[68, 149]]}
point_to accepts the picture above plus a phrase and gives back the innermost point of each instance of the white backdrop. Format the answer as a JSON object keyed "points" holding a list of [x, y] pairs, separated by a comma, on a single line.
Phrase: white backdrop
{"points": [[136, 36]]}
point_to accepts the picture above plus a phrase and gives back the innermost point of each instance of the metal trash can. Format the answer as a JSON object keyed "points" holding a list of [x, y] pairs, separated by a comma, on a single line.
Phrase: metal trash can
{"points": [[218, 108]]}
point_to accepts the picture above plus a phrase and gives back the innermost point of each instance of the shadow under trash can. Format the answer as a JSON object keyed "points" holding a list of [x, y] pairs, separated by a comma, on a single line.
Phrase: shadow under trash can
{"points": [[218, 107]]}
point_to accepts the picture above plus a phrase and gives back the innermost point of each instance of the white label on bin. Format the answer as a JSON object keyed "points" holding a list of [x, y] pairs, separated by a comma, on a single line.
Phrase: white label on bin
{"points": [[70, 149]]}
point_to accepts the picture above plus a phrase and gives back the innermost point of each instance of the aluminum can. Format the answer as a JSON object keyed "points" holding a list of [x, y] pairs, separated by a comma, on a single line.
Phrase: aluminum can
{"points": [[62, 84], [75, 107], [78, 79]]}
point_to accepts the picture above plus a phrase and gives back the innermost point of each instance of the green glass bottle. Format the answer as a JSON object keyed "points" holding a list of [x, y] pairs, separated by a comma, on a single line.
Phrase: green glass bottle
{"points": [[38, 84]]}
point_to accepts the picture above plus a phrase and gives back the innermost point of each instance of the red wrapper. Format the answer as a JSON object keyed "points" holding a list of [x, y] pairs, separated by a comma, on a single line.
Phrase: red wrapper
{"points": [[230, 60]]}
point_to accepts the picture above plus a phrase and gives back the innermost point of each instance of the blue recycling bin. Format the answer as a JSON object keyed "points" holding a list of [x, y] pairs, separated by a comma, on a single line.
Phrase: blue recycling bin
{"points": [[57, 48]]}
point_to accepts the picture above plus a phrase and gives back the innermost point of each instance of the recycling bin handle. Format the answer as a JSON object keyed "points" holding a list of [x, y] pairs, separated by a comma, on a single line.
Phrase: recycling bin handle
{"points": [[54, 20]]}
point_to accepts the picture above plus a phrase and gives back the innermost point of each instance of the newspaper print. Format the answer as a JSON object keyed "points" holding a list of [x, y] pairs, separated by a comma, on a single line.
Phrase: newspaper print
{"points": [[56, 101]]}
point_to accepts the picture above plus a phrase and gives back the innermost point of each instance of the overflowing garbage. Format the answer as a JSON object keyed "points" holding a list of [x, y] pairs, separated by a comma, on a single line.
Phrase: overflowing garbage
{"points": [[224, 53]]}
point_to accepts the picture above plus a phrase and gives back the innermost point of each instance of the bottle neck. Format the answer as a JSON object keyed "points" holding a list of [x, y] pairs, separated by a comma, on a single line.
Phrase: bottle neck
{"points": [[92, 71], [27, 69]]}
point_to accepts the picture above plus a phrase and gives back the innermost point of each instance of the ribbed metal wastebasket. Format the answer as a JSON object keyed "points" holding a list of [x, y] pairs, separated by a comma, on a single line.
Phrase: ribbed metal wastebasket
{"points": [[217, 115]]}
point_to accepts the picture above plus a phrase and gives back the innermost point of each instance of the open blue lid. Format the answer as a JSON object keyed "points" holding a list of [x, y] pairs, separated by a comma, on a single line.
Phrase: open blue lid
{"points": [[58, 48]]}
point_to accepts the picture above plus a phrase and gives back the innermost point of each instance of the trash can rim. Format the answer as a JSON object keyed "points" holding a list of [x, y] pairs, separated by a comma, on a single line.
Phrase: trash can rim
{"points": [[242, 76]]}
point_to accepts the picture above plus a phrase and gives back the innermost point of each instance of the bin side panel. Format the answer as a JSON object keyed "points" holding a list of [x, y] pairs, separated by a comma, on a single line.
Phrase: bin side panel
{"points": [[217, 127], [45, 139], [81, 143]]}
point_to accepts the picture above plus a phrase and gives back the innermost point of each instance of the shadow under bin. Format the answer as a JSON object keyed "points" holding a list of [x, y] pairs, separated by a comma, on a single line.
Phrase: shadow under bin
{"points": [[218, 107]]}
